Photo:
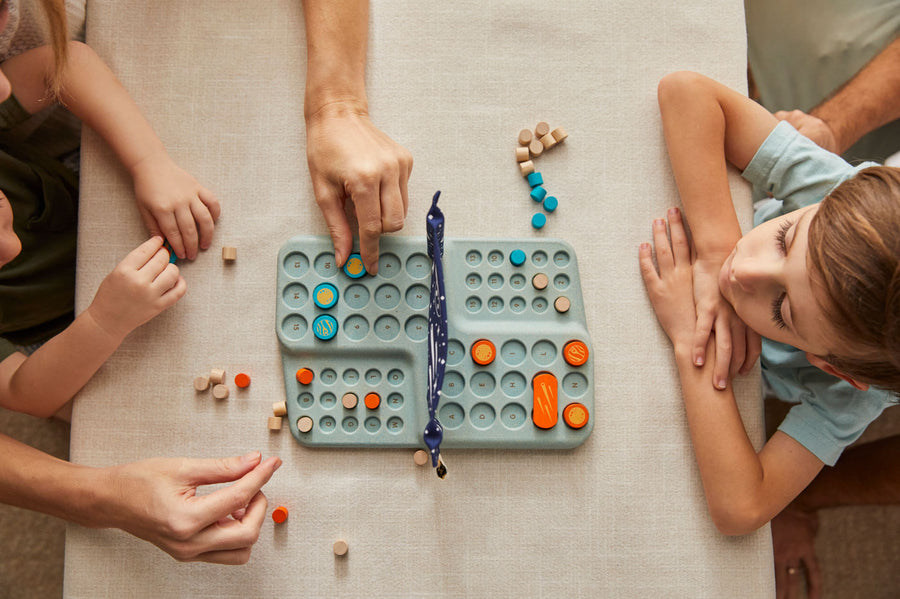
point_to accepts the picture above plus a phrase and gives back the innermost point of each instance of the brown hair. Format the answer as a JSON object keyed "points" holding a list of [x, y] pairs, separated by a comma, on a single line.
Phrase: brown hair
{"points": [[854, 249], [57, 29]]}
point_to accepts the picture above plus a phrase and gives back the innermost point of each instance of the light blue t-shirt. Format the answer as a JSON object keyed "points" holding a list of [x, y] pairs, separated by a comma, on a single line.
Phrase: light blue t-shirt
{"points": [[830, 413]]}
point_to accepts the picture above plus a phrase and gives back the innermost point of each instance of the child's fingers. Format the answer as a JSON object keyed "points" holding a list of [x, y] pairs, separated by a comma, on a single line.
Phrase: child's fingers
{"points": [[681, 250], [174, 293], [648, 269], [723, 358], [701, 337], [150, 222], [332, 207], [738, 347], [167, 278], [227, 500], [139, 256], [206, 223], [189, 238], [230, 535], [169, 226], [663, 249], [211, 202]]}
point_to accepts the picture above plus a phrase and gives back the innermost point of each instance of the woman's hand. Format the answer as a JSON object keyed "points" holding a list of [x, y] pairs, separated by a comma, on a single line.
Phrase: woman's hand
{"points": [[156, 500]]}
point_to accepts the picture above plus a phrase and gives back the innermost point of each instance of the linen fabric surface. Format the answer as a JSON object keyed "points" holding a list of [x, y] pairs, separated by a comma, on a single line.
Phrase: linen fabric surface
{"points": [[222, 83]]}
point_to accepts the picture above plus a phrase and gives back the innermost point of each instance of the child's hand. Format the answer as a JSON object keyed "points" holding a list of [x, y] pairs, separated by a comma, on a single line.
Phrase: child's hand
{"points": [[737, 346], [351, 158], [156, 500], [141, 286], [172, 204], [671, 288]]}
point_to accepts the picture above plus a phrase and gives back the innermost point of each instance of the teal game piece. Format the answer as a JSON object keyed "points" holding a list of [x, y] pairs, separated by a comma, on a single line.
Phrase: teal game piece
{"points": [[172, 256], [325, 295], [354, 267], [325, 327], [535, 179], [380, 345], [538, 221], [538, 193], [517, 257], [550, 203]]}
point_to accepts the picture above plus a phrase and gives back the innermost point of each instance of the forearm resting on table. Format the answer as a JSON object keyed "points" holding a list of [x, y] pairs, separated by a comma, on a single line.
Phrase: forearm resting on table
{"points": [[867, 101], [37, 481], [744, 490], [43, 382]]}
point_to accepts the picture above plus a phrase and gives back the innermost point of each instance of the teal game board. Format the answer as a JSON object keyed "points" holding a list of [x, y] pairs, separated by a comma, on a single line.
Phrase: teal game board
{"points": [[519, 368]]}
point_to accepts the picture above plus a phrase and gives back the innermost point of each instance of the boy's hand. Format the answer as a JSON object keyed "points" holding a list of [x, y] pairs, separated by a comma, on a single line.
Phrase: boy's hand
{"points": [[141, 286], [174, 205], [157, 500], [350, 158], [737, 346], [671, 288]]}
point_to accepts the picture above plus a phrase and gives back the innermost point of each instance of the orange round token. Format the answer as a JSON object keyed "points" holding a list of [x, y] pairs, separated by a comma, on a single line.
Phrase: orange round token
{"points": [[304, 376], [242, 380], [575, 353], [575, 415], [279, 514], [483, 352], [373, 400]]}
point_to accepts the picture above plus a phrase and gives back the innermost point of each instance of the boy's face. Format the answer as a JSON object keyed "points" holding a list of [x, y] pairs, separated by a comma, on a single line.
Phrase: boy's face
{"points": [[10, 246], [767, 281]]}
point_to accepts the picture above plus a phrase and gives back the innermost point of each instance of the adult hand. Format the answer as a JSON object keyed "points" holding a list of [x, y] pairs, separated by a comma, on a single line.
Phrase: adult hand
{"points": [[737, 346], [156, 500], [174, 205], [141, 286], [793, 537], [812, 127], [350, 158]]}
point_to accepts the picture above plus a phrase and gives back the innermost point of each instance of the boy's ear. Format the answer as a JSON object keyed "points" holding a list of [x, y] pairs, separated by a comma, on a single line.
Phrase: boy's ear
{"points": [[823, 365]]}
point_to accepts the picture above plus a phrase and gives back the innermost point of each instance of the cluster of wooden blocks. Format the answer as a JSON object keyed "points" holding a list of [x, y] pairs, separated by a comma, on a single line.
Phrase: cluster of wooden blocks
{"points": [[216, 379], [279, 410], [531, 145]]}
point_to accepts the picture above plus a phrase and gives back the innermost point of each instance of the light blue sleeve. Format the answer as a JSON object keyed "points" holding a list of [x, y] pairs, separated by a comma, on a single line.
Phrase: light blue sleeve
{"points": [[795, 171]]}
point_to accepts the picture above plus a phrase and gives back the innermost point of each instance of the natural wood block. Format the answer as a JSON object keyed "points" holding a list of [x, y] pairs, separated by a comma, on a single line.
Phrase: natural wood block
{"points": [[526, 167], [536, 147], [525, 137], [522, 154], [548, 141], [559, 134], [221, 392], [229, 254], [217, 376], [542, 129], [201, 383], [279, 408], [274, 423]]}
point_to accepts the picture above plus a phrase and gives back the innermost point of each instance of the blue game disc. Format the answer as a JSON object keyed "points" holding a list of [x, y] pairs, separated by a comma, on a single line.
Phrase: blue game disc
{"points": [[325, 295], [517, 257], [550, 203], [354, 267], [538, 220], [325, 326]]}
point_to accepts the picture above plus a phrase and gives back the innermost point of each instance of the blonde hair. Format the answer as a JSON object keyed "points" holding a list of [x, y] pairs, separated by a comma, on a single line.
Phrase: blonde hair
{"points": [[854, 250], [58, 32]]}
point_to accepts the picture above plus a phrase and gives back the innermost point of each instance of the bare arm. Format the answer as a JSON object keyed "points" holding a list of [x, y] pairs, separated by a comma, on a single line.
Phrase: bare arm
{"points": [[349, 158], [743, 489], [170, 200], [867, 101]]}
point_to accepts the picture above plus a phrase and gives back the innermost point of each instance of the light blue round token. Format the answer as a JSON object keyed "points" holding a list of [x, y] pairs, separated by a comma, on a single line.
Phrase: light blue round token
{"points": [[325, 295], [354, 267], [538, 193], [550, 203], [538, 220], [517, 257], [535, 179], [325, 326]]}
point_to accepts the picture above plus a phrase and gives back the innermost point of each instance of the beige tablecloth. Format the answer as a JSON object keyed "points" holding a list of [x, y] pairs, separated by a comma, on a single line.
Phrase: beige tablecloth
{"points": [[222, 83]]}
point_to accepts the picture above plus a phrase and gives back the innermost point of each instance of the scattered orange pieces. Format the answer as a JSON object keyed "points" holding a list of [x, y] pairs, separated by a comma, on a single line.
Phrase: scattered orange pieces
{"points": [[242, 380], [575, 415], [575, 353], [373, 400], [279, 514], [304, 376], [483, 352]]}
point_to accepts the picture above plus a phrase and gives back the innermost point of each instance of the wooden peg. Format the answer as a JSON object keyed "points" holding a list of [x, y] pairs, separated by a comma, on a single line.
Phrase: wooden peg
{"points": [[525, 137], [559, 134], [548, 141], [201, 383], [279, 408], [526, 167], [536, 147], [541, 129], [221, 392], [229, 254], [522, 154], [217, 376], [274, 423], [340, 548]]}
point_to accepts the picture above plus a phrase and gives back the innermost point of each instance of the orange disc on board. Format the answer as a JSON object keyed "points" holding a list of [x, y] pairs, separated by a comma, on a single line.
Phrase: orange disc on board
{"points": [[483, 352], [575, 415], [575, 353], [304, 376], [373, 400]]}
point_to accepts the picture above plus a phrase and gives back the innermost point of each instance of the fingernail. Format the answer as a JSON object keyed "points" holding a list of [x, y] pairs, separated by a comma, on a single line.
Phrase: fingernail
{"points": [[645, 246], [251, 457], [277, 465], [673, 211], [720, 384], [659, 222], [698, 360]]}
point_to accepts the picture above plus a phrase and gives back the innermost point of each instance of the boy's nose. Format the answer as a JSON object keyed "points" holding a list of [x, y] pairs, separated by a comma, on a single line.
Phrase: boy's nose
{"points": [[753, 273]]}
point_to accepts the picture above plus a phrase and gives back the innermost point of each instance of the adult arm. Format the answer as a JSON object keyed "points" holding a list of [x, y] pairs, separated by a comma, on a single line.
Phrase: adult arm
{"points": [[153, 499], [864, 103], [744, 489], [170, 200], [349, 158]]}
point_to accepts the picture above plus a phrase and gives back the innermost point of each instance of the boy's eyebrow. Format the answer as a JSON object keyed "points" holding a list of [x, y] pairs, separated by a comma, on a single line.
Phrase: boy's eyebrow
{"points": [[797, 226]]}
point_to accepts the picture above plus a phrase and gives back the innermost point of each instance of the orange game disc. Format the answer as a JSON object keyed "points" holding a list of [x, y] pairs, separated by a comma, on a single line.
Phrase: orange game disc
{"points": [[373, 400], [575, 415], [483, 352], [304, 376], [575, 352], [279, 514], [242, 380]]}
